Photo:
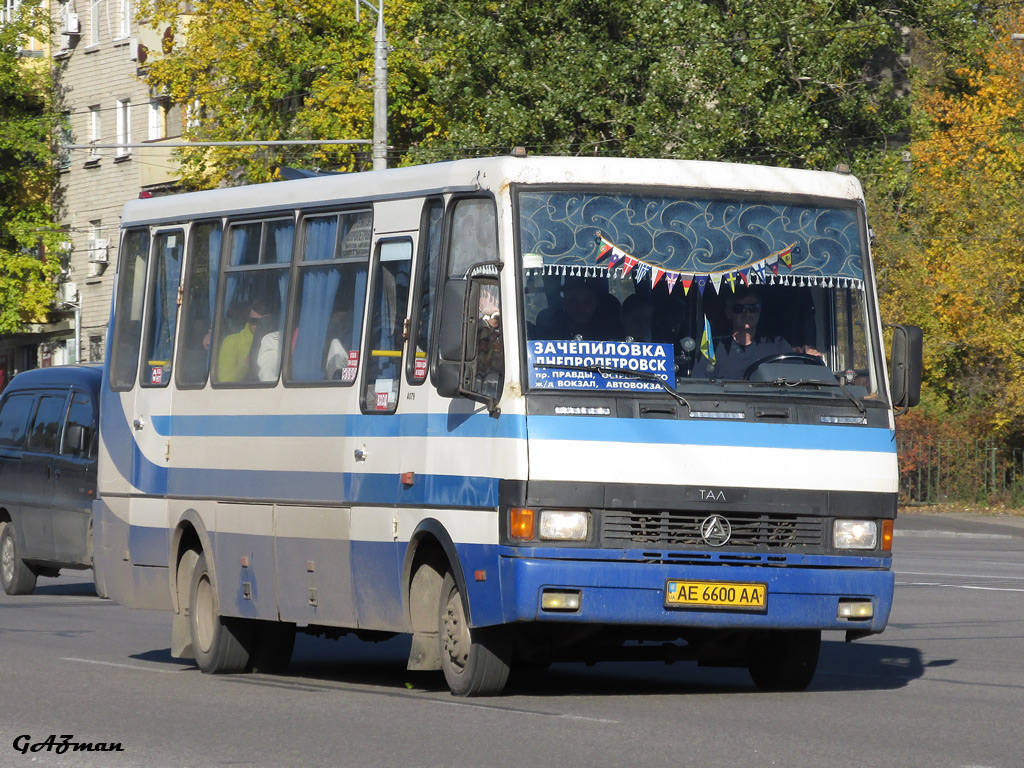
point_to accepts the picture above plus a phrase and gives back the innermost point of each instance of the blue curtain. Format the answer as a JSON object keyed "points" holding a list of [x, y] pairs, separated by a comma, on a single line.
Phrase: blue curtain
{"points": [[319, 291]]}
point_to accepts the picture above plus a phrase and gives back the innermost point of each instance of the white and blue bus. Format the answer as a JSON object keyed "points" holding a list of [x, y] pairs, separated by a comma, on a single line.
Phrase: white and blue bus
{"points": [[522, 409]]}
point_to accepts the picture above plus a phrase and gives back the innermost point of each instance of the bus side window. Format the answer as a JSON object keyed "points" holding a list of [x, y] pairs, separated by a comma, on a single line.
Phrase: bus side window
{"points": [[426, 284], [329, 298], [384, 342], [130, 299], [200, 296], [163, 308], [255, 292]]}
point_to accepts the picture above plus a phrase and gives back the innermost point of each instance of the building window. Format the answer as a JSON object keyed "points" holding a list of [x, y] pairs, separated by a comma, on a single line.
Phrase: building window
{"points": [[64, 154], [9, 11], [94, 22], [126, 18], [95, 129], [124, 126], [157, 120]]}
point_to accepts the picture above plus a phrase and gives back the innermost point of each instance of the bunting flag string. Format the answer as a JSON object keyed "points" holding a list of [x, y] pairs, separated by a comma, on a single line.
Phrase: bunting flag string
{"points": [[734, 278]]}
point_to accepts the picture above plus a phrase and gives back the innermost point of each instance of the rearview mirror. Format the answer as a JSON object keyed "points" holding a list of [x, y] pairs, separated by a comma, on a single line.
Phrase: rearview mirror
{"points": [[907, 344]]}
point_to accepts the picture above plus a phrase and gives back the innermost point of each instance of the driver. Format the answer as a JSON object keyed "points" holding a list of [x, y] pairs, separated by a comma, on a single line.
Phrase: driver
{"points": [[744, 346]]}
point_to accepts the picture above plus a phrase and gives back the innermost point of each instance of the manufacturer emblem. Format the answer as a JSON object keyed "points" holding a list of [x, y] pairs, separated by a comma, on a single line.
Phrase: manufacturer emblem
{"points": [[716, 531]]}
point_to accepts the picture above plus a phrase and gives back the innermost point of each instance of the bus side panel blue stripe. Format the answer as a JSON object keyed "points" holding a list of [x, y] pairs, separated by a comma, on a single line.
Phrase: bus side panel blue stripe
{"points": [[721, 433], [334, 425]]}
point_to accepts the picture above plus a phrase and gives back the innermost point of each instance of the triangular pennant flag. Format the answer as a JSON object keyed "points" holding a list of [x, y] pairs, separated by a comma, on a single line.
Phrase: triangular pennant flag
{"points": [[670, 280], [731, 280], [716, 280], [629, 262], [642, 270], [603, 248], [759, 270], [745, 275], [687, 281], [656, 274], [702, 282], [787, 256], [615, 257]]}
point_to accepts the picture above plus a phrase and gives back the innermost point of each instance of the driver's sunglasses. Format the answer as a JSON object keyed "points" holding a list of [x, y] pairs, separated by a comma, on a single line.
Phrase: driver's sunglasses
{"points": [[739, 309]]}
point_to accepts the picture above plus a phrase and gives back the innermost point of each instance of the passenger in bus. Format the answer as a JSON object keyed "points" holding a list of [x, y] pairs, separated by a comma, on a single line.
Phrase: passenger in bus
{"points": [[586, 313], [744, 346], [234, 357], [268, 358]]}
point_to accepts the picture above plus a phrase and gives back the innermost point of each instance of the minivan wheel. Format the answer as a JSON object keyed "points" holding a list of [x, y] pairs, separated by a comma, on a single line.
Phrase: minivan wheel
{"points": [[16, 577]]}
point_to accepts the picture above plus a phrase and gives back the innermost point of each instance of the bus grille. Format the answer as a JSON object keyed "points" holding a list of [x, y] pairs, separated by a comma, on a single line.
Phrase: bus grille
{"points": [[749, 531]]}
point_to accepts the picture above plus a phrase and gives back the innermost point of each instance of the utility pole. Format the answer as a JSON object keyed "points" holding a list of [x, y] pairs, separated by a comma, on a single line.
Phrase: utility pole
{"points": [[380, 87]]}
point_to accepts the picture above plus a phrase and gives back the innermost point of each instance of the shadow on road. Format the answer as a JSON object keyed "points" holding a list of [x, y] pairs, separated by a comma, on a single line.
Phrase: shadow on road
{"points": [[63, 588], [842, 666]]}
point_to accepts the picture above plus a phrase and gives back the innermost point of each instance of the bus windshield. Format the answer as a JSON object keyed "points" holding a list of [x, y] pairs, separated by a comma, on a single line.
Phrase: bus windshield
{"points": [[623, 288]]}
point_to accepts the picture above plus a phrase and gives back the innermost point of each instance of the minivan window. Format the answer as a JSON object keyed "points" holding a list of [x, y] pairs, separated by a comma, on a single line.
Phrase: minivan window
{"points": [[46, 425], [14, 418]]}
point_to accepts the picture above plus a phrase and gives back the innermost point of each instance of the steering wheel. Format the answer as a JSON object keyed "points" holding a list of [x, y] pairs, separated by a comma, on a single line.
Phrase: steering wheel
{"points": [[784, 357]]}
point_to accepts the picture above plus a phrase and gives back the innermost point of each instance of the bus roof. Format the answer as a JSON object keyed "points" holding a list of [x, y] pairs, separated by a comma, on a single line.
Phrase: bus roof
{"points": [[490, 173]]}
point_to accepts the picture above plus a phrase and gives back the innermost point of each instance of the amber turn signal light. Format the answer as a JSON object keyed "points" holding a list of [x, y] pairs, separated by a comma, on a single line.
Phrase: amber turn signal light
{"points": [[520, 524], [887, 535]]}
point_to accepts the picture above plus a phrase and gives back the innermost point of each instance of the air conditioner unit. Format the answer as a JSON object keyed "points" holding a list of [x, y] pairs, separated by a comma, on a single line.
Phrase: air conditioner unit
{"points": [[98, 251], [72, 25], [67, 293]]}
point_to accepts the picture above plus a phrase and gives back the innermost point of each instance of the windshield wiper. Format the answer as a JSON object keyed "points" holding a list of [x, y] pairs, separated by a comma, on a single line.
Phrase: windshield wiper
{"points": [[616, 370], [825, 383]]}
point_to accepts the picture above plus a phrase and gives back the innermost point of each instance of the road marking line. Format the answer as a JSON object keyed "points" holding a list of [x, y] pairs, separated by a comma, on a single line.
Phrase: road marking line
{"points": [[517, 711], [125, 666], [961, 575], [956, 586]]}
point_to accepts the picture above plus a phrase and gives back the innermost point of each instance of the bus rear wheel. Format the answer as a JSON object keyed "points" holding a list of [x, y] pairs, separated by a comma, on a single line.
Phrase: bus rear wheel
{"points": [[220, 643], [784, 660], [475, 661], [16, 577]]}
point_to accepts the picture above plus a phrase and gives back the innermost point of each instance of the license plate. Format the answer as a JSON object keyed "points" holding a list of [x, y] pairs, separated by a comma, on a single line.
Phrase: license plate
{"points": [[715, 594]]}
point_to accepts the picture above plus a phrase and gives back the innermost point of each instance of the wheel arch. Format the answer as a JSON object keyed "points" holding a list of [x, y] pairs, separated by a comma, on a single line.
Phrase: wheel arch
{"points": [[431, 543], [189, 535]]}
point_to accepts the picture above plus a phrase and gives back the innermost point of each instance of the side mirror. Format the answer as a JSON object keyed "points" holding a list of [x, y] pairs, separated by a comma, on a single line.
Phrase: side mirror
{"points": [[75, 439], [905, 372]]}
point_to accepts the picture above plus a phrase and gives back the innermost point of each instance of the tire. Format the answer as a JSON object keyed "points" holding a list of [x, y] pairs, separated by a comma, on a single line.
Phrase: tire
{"points": [[475, 661], [784, 660], [220, 643], [16, 577], [272, 646]]}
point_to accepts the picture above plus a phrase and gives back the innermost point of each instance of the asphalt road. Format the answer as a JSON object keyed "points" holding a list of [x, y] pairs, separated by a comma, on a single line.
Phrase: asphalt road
{"points": [[943, 686]]}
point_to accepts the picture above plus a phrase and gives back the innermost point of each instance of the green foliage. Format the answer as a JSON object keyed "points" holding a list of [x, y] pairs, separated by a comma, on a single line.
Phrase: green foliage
{"points": [[283, 70], [797, 82], [28, 238]]}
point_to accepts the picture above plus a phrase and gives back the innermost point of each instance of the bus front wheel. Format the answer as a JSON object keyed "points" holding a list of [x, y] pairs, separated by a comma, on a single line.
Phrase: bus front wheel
{"points": [[219, 643], [475, 660], [784, 660]]}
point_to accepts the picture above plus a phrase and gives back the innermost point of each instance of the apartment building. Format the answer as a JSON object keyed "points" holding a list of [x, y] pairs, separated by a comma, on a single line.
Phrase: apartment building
{"points": [[98, 58]]}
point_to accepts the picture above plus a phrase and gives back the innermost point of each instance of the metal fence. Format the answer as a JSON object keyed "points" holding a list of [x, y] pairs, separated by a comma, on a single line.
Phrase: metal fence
{"points": [[969, 472]]}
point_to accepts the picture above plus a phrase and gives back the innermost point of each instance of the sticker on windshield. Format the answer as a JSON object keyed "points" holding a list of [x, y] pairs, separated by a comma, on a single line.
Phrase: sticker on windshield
{"points": [[600, 365]]}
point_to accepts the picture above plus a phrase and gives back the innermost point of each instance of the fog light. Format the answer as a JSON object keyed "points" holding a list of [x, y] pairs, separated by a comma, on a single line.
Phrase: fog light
{"points": [[564, 525], [560, 601], [855, 534], [855, 609]]}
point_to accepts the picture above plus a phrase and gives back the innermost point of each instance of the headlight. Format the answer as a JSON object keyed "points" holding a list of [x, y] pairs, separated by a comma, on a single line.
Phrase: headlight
{"points": [[564, 526], [855, 534]]}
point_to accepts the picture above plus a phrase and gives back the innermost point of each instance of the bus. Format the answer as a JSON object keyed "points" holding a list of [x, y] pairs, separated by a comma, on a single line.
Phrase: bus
{"points": [[494, 405]]}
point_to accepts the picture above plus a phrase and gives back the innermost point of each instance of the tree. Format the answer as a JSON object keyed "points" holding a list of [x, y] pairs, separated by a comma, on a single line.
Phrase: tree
{"points": [[798, 82], [953, 252], [29, 240], [282, 70]]}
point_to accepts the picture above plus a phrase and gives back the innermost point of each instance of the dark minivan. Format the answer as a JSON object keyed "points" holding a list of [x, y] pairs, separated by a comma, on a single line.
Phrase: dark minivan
{"points": [[48, 438]]}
